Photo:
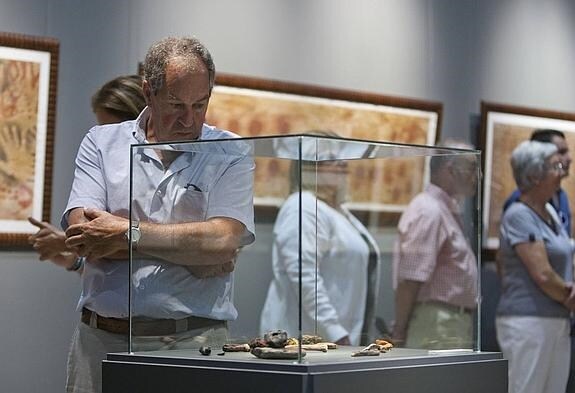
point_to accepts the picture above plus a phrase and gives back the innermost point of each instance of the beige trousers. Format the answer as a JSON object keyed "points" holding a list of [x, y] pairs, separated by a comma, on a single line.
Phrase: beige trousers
{"points": [[89, 347], [433, 326]]}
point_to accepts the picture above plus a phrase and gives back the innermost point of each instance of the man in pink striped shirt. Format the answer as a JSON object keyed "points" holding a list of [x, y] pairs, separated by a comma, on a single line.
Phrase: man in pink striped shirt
{"points": [[435, 268]]}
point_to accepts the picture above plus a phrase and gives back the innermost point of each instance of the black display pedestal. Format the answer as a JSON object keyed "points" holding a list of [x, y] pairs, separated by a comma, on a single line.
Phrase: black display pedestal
{"points": [[400, 370]]}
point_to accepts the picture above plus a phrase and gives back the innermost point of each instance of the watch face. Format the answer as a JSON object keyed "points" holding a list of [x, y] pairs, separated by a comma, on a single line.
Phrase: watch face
{"points": [[136, 235]]}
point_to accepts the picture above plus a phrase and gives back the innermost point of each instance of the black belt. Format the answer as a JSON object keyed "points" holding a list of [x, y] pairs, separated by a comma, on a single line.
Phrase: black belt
{"points": [[152, 327]]}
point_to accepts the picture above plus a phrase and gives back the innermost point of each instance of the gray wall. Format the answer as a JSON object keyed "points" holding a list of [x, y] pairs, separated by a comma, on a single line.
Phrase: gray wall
{"points": [[458, 52]]}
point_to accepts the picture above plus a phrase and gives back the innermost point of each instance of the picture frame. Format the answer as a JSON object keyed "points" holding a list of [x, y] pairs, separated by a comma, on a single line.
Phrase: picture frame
{"points": [[252, 106], [503, 127], [29, 76]]}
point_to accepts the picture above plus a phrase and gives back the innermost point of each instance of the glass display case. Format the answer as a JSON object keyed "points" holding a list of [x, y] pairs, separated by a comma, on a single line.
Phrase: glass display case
{"points": [[304, 251]]}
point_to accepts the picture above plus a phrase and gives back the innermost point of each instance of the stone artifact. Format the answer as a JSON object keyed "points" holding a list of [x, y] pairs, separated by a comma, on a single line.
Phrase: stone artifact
{"points": [[330, 345], [310, 339], [236, 348], [275, 353], [276, 338], [206, 351]]}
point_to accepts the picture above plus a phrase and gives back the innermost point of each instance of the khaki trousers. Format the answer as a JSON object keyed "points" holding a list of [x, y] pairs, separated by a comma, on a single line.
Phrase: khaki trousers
{"points": [[89, 347], [434, 326]]}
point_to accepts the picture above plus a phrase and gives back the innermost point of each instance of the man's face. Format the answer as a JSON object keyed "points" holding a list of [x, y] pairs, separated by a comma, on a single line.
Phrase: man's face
{"points": [[178, 109], [465, 175], [563, 152], [555, 171]]}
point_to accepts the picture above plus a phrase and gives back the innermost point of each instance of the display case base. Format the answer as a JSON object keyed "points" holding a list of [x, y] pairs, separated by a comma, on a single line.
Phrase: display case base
{"points": [[400, 370]]}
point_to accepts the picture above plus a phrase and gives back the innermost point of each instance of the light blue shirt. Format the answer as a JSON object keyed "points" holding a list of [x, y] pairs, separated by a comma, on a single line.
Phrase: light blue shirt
{"points": [[214, 181], [520, 294]]}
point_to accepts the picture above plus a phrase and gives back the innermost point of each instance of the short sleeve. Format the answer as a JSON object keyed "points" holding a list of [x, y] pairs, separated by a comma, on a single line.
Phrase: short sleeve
{"points": [[520, 226], [420, 238]]}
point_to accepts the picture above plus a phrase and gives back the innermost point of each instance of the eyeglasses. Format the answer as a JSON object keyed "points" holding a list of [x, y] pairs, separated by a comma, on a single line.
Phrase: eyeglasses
{"points": [[558, 166]]}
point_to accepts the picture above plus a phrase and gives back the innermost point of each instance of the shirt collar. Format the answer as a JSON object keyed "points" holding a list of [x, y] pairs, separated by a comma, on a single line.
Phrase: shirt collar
{"points": [[440, 194], [139, 131]]}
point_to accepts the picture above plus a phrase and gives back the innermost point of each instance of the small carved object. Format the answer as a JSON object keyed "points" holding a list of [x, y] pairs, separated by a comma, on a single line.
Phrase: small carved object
{"points": [[276, 338], [292, 341], [236, 348], [370, 350], [384, 345], [330, 345], [275, 353], [311, 339], [206, 351], [310, 347]]}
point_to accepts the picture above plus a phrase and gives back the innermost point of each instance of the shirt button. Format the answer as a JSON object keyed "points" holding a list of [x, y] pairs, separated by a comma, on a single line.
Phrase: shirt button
{"points": [[159, 192]]}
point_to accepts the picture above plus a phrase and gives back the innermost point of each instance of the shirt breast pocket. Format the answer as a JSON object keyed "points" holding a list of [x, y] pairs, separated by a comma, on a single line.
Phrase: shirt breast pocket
{"points": [[190, 205]]}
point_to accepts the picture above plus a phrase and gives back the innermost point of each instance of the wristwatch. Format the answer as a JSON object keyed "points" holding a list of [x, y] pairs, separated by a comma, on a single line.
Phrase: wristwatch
{"points": [[134, 232]]}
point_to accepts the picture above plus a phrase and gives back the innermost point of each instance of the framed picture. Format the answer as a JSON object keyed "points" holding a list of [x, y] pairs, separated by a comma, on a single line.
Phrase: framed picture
{"points": [[28, 81], [503, 127], [253, 107]]}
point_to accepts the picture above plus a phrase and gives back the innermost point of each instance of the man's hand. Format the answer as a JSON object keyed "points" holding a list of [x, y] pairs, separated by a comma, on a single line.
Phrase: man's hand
{"points": [[101, 236], [49, 243]]}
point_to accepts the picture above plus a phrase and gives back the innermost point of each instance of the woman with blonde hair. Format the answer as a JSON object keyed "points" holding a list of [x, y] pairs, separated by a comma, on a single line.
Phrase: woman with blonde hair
{"points": [[118, 100]]}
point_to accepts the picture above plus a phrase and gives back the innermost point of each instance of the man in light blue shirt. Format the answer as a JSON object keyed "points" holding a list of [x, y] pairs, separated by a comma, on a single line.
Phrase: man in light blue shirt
{"points": [[191, 212]]}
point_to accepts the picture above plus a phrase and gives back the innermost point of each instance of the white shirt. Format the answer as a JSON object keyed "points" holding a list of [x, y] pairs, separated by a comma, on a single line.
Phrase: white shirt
{"points": [[340, 256]]}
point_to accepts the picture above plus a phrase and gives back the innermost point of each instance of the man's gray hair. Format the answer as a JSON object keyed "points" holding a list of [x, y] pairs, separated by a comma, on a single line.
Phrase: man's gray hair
{"points": [[438, 161], [189, 49], [529, 163]]}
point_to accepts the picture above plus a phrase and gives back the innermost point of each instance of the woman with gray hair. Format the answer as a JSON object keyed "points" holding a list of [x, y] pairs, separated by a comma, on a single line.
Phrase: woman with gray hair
{"points": [[536, 258]]}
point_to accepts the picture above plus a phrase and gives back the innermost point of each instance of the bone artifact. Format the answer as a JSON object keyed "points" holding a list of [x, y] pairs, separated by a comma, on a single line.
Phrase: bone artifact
{"points": [[275, 353], [236, 348]]}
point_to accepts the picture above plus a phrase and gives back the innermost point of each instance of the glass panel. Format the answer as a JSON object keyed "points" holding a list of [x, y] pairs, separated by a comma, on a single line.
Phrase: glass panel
{"points": [[337, 252]]}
